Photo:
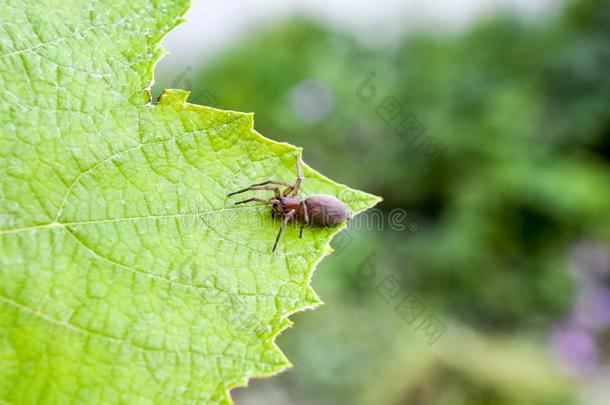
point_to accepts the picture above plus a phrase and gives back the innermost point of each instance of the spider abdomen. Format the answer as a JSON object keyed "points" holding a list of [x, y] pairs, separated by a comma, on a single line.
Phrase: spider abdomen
{"points": [[326, 210]]}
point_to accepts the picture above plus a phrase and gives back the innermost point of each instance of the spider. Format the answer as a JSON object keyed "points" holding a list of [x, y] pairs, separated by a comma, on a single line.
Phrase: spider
{"points": [[320, 209]]}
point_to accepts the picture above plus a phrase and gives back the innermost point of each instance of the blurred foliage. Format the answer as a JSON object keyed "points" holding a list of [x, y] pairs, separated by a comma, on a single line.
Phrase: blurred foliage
{"points": [[480, 370], [522, 112]]}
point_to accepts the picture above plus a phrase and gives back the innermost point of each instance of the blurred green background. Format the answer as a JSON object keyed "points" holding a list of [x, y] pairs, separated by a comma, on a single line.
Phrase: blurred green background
{"points": [[495, 141]]}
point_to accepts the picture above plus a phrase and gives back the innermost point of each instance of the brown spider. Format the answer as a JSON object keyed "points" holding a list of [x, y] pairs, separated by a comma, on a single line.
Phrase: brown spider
{"points": [[319, 209]]}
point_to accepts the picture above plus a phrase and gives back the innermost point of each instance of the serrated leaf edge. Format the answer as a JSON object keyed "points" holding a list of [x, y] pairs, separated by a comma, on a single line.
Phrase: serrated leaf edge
{"points": [[283, 320]]}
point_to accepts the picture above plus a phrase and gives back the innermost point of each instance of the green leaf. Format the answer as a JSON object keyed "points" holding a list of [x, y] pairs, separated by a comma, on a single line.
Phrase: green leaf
{"points": [[127, 275]]}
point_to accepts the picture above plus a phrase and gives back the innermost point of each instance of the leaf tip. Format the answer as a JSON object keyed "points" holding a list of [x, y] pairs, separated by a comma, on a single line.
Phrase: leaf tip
{"points": [[173, 97]]}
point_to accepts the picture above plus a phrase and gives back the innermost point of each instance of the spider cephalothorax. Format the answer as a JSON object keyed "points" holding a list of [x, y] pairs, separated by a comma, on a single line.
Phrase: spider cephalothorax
{"points": [[319, 209]]}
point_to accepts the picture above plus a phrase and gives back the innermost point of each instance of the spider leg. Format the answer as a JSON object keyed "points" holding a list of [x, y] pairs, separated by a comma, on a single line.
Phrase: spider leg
{"points": [[277, 182], [285, 220], [275, 189], [305, 218], [262, 200], [294, 188]]}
